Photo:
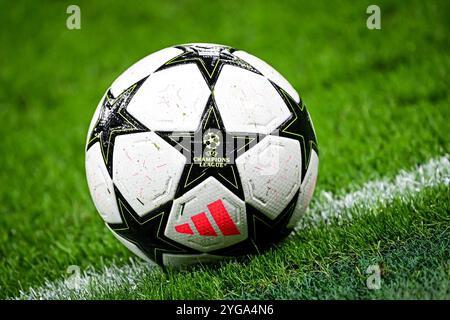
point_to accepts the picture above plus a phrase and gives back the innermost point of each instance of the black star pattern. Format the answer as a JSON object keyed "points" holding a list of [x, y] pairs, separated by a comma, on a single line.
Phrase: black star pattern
{"points": [[147, 232], [209, 60], [195, 144], [298, 127], [114, 120]]}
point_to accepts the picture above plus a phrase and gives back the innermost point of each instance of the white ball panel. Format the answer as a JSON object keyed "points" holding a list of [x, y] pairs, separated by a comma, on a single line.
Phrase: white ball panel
{"points": [[306, 190], [270, 174], [171, 99], [101, 185], [179, 260], [248, 102], [269, 72], [146, 170], [142, 68], [132, 247], [196, 201]]}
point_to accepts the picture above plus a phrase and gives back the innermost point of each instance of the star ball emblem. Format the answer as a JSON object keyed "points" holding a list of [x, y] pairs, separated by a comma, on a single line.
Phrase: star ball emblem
{"points": [[211, 151], [114, 120], [209, 59]]}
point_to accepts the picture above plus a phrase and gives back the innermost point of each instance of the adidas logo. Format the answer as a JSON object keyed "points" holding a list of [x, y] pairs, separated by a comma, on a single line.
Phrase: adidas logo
{"points": [[203, 225]]}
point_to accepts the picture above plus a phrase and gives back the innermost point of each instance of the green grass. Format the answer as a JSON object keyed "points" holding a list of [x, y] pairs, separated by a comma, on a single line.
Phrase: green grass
{"points": [[413, 252], [379, 101]]}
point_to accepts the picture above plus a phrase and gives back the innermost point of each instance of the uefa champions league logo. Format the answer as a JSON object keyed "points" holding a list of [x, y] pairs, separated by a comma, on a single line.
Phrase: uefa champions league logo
{"points": [[211, 148], [211, 141]]}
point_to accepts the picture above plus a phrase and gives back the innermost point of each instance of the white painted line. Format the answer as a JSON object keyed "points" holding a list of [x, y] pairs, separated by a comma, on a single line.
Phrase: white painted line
{"points": [[329, 208], [326, 207], [90, 283]]}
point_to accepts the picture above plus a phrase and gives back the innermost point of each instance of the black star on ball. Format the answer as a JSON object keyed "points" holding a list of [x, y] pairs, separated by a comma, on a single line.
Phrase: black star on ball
{"points": [[147, 232], [209, 59], [298, 127], [114, 120], [211, 151]]}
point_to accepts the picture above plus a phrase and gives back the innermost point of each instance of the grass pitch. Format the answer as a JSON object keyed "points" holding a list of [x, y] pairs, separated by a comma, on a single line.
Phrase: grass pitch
{"points": [[379, 100]]}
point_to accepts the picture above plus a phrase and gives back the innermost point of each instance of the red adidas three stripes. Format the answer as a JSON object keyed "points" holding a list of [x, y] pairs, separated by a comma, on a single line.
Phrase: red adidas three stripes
{"points": [[203, 225]]}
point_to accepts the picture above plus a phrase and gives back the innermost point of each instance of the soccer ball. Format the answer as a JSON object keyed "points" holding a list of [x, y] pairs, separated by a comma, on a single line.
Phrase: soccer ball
{"points": [[199, 152]]}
